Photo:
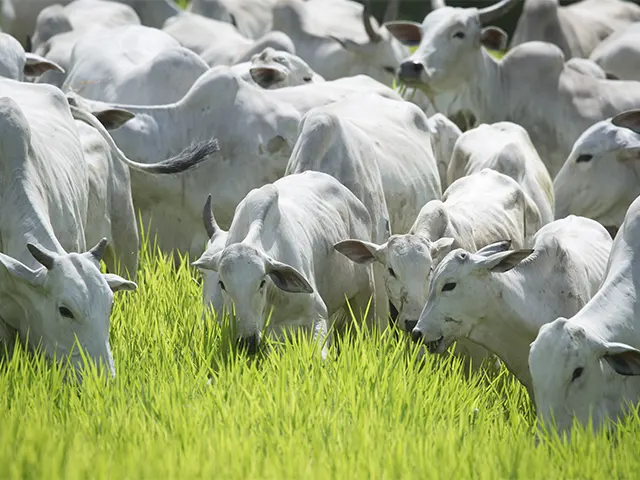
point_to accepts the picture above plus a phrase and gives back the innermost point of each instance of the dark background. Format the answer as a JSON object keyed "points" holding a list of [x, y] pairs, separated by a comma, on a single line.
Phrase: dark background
{"points": [[416, 10]]}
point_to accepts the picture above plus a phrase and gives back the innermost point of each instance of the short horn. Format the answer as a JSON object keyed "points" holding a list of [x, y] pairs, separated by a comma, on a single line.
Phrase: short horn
{"points": [[436, 4], [391, 13], [42, 255], [495, 11], [210, 224], [97, 252], [374, 36]]}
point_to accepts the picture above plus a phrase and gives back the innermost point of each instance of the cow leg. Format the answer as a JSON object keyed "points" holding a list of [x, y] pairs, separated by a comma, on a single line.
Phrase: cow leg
{"points": [[124, 232], [320, 327]]}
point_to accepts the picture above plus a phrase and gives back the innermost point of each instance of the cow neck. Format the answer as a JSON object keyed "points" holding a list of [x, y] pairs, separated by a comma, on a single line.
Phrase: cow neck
{"points": [[486, 90]]}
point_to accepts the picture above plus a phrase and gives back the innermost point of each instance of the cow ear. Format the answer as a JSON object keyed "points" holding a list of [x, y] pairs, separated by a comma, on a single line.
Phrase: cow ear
{"points": [[360, 251], [408, 33], [441, 247], [113, 118], [494, 38], [496, 247], [624, 359], [504, 261], [209, 260], [12, 271], [287, 278], [629, 119], [35, 65], [118, 284]]}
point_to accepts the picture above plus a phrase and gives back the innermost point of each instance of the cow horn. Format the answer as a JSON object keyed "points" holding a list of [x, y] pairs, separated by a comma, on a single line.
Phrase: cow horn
{"points": [[97, 252], [210, 224], [391, 13], [42, 255], [495, 11], [374, 36], [436, 4]]}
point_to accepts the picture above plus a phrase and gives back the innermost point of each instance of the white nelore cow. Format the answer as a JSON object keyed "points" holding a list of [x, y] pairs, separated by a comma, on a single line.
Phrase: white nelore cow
{"points": [[278, 259], [599, 180], [259, 126], [451, 62], [619, 53], [586, 367], [577, 28], [499, 298], [50, 296], [220, 43], [15, 63], [132, 64], [506, 148], [59, 28], [276, 69], [475, 211]]}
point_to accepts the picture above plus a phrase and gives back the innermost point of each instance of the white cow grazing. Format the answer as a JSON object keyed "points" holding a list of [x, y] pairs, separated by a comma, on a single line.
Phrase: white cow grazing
{"points": [[576, 29], [259, 126], [59, 28], [220, 43], [278, 259], [586, 366], [15, 63], [599, 180], [619, 53], [506, 148], [451, 61], [475, 211], [444, 135], [252, 18], [276, 69], [132, 64], [50, 296], [499, 298]]}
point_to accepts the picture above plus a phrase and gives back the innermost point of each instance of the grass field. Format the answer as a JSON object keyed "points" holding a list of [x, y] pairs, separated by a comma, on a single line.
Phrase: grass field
{"points": [[372, 411]]}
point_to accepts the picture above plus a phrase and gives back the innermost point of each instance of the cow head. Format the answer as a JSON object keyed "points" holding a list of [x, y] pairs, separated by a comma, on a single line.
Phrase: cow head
{"points": [[577, 374], [599, 179], [448, 40], [408, 260], [276, 69], [67, 298], [247, 277], [460, 291]]}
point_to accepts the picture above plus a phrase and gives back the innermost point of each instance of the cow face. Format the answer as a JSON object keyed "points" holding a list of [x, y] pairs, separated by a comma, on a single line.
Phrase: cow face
{"points": [[408, 261], [276, 69], [599, 179], [65, 300], [249, 281], [578, 375], [459, 293]]}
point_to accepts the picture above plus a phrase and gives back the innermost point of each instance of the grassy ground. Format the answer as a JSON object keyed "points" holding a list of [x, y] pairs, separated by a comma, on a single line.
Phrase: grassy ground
{"points": [[371, 411]]}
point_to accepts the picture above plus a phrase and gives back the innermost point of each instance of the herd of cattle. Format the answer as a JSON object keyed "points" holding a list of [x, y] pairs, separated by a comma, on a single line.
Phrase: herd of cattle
{"points": [[478, 208]]}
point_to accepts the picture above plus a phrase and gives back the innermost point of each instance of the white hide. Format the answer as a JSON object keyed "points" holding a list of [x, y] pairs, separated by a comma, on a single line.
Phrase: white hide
{"points": [[444, 135], [252, 18], [15, 63], [619, 53]]}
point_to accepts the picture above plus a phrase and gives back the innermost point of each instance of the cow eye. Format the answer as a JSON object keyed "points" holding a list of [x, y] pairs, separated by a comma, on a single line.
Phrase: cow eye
{"points": [[306, 79], [585, 157], [65, 312], [221, 283], [392, 273], [262, 284], [448, 287], [576, 373], [390, 70], [458, 35]]}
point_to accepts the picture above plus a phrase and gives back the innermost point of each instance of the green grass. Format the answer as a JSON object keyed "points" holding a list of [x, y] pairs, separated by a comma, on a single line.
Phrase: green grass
{"points": [[373, 410]]}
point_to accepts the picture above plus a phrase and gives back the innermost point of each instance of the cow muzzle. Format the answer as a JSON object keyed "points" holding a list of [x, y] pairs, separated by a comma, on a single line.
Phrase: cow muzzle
{"points": [[249, 344], [411, 72]]}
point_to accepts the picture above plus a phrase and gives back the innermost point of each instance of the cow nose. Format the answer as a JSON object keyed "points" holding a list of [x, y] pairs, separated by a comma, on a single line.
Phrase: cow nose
{"points": [[416, 335], [410, 69], [409, 325], [249, 344]]}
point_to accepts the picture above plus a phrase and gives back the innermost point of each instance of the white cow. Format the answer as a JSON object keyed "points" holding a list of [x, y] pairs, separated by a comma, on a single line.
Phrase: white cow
{"points": [[278, 259], [132, 64], [589, 67], [259, 126], [619, 53], [15, 63], [506, 148], [451, 61], [50, 296], [252, 18], [475, 211], [499, 298], [599, 180], [444, 135], [577, 28], [59, 28], [585, 367], [276, 69], [220, 43]]}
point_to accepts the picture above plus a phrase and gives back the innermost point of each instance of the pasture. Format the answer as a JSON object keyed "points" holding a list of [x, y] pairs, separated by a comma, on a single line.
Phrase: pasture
{"points": [[373, 410]]}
